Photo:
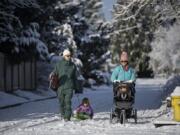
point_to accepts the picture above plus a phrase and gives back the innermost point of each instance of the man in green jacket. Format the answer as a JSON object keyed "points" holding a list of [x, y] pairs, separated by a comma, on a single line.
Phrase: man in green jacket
{"points": [[66, 71]]}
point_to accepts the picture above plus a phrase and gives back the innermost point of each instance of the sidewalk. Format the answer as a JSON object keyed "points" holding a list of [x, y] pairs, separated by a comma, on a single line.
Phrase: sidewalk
{"points": [[19, 97]]}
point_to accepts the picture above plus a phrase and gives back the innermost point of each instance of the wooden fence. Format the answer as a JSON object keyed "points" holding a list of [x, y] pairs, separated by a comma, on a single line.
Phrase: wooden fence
{"points": [[17, 76]]}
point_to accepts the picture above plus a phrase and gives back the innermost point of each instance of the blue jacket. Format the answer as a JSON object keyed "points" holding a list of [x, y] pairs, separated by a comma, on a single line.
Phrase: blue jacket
{"points": [[121, 75]]}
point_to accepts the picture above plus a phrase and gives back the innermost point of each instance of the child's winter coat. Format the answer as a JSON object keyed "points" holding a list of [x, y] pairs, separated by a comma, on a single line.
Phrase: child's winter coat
{"points": [[84, 112]]}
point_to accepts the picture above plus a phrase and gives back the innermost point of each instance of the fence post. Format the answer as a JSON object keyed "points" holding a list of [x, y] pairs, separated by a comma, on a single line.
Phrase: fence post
{"points": [[5, 88], [12, 77], [35, 76], [2, 67], [24, 70], [18, 76]]}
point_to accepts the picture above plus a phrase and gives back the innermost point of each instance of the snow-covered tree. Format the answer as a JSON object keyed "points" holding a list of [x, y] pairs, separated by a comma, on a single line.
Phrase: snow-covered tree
{"points": [[18, 35], [29, 42], [29, 25], [65, 32], [89, 39], [93, 50], [135, 22], [165, 54], [58, 36], [92, 11], [57, 31]]}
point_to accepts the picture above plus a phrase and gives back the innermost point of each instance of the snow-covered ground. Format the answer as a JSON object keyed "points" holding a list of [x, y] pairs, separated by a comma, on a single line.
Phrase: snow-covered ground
{"points": [[41, 118]]}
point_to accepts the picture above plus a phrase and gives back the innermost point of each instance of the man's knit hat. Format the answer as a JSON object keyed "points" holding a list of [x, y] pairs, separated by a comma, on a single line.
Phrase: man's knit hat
{"points": [[66, 52]]}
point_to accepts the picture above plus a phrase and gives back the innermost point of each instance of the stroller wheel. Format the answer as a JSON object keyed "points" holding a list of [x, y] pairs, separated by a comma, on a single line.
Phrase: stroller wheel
{"points": [[135, 115], [111, 115], [123, 117]]}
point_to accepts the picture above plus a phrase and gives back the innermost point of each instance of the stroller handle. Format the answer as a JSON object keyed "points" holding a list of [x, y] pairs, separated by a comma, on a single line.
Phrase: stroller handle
{"points": [[127, 82]]}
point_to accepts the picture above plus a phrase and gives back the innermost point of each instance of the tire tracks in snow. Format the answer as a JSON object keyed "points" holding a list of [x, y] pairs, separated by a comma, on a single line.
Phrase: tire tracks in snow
{"points": [[24, 122]]}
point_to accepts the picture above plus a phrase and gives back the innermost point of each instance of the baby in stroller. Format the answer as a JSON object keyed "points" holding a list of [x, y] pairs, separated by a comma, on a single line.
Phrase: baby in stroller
{"points": [[124, 91], [123, 78]]}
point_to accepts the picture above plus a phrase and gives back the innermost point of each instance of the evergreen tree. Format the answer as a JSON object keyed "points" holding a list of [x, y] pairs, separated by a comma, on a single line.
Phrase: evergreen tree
{"points": [[38, 26], [91, 37], [19, 35], [92, 12]]}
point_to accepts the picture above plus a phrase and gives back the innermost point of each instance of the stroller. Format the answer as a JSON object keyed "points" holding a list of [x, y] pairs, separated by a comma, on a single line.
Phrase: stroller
{"points": [[124, 96]]}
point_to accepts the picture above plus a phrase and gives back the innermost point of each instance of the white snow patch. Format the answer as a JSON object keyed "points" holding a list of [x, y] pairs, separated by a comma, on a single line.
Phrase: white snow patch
{"points": [[42, 117]]}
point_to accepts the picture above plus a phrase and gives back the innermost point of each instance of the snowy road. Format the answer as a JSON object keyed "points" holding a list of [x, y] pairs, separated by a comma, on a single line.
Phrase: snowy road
{"points": [[41, 118]]}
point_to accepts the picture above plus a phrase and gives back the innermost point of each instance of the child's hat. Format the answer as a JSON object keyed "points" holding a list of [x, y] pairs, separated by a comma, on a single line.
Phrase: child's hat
{"points": [[85, 100]]}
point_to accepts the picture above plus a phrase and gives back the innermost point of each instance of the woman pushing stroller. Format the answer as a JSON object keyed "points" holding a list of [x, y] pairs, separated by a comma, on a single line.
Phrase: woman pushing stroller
{"points": [[123, 72], [123, 78]]}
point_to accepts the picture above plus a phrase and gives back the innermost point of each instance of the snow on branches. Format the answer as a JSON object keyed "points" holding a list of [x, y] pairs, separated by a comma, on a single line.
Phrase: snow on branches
{"points": [[134, 26], [165, 54], [17, 37]]}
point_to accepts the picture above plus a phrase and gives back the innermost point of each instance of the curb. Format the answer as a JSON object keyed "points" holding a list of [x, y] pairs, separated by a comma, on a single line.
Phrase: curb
{"points": [[18, 104]]}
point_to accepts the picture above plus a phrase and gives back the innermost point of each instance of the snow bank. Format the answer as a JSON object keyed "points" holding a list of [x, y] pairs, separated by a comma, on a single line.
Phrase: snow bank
{"points": [[171, 85], [165, 113], [176, 92]]}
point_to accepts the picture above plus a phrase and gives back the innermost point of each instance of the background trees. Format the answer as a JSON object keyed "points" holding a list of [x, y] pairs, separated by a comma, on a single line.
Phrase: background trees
{"points": [[41, 27], [19, 33], [135, 23]]}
